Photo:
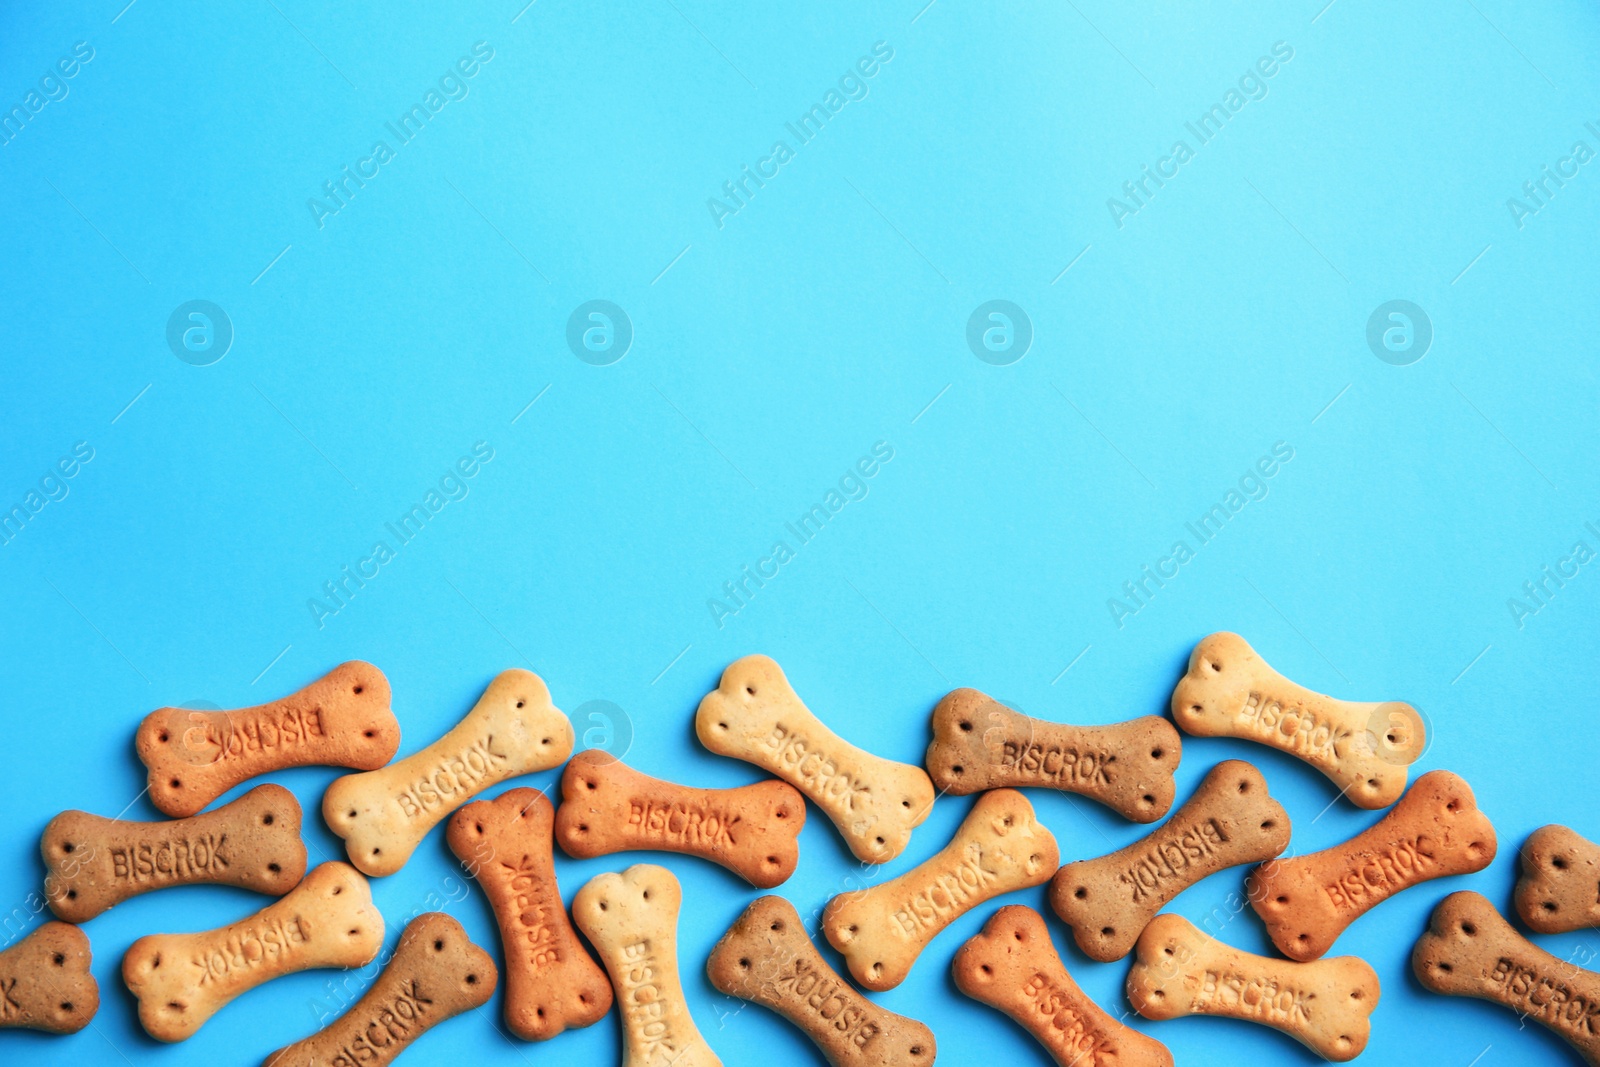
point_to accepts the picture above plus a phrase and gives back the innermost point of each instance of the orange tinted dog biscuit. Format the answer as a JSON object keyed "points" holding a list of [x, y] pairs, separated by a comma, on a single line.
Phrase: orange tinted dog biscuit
{"points": [[1436, 830], [1556, 892], [607, 807], [45, 982], [340, 720], [551, 982]]}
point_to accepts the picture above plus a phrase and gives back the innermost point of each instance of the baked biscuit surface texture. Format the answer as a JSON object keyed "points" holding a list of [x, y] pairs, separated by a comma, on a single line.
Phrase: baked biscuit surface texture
{"points": [[45, 982], [1557, 891]]}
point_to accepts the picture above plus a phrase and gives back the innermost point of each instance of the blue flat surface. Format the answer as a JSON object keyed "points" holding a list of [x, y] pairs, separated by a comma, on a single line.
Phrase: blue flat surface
{"points": [[1177, 336]]}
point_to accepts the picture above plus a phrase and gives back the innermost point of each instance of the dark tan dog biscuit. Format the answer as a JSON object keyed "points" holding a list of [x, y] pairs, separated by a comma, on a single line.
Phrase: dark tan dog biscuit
{"points": [[552, 984], [1560, 872], [1325, 1004], [1012, 966], [1231, 819], [1436, 830], [999, 847], [766, 957], [92, 863], [1364, 748], [606, 807], [435, 975], [45, 982], [340, 720], [1469, 950], [979, 743]]}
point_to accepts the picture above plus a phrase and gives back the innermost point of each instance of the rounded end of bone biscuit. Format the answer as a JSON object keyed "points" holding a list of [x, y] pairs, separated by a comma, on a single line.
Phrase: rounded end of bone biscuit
{"points": [[1446, 957], [1554, 894], [56, 959], [359, 713]]}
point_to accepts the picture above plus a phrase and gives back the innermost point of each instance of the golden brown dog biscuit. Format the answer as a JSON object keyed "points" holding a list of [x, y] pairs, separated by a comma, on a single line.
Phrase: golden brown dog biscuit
{"points": [[384, 814], [1436, 830], [181, 980], [1324, 1005], [979, 743], [607, 806], [1231, 819], [551, 982], [1012, 966], [999, 847], [632, 921], [766, 957], [1556, 892], [434, 975], [754, 715], [1469, 950], [92, 863], [340, 720], [45, 982], [1364, 748]]}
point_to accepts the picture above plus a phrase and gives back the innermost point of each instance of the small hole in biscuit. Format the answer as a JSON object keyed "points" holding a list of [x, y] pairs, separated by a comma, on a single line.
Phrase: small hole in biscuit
{"points": [[1008, 820], [1081, 893], [266, 820], [357, 690], [1283, 900], [1158, 994], [957, 769], [722, 726], [519, 703], [175, 783], [583, 998], [368, 733], [1549, 905], [592, 785], [1355, 994], [1303, 938], [916, 1050], [539, 1012], [155, 962], [544, 740], [354, 930], [1167, 951], [1558, 862], [274, 868], [1148, 798], [174, 1005], [472, 979], [879, 840], [1107, 931], [1469, 929], [782, 813], [163, 736], [376, 851], [72, 894], [68, 847], [646, 894], [59, 959], [745, 964], [776, 927], [1268, 824], [1372, 783], [877, 969], [1445, 967], [478, 827], [1453, 805], [605, 906], [966, 727], [905, 803], [583, 828], [1244, 787], [338, 889], [438, 945], [772, 860], [1215, 665], [750, 689], [352, 813], [66, 1005], [1155, 753]]}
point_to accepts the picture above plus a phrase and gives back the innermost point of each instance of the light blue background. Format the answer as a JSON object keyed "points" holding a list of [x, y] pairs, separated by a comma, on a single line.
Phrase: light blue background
{"points": [[1227, 315]]}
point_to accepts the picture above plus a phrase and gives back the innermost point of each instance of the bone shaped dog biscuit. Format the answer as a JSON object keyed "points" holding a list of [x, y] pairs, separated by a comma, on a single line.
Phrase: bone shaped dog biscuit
{"points": [[551, 982], [1012, 966], [1364, 748], [181, 980], [1325, 1005], [45, 982], [342, 719], [979, 743], [632, 921], [606, 806], [92, 863], [766, 957], [756, 716], [999, 847], [1436, 830], [434, 975], [1231, 819], [384, 814], [1469, 950], [1556, 892]]}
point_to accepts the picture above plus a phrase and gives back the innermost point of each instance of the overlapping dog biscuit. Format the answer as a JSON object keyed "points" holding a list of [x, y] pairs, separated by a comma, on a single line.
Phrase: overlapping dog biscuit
{"points": [[552, 984], [766, 957], [45, 982], [999, 847], [384, 814], [979, 743], [1436, 830], [1012, 966], [342, 719], [92, 863], [754, 715], [1231, 819], [1557, 890], [632, 921], [434, 975], [1325, 1004], [607, 806], [1364, 748], [1469, 950], [181, 980]]}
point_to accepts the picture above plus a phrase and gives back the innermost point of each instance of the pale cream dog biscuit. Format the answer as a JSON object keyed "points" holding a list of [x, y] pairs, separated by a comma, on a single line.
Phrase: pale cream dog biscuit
{"points": [[979, 743], [384, 814], [1469, 950], [1231, 819], [1364, 748], [766, 957], [92, 863], [1012, 966], [181, 980], [1436, 830], [45, 982], [632, 921], [551, 982], [606, 806], [434, 975], [1325, 1004], [754, 715], [1560, 870], [342, 719], [999, 847]]}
